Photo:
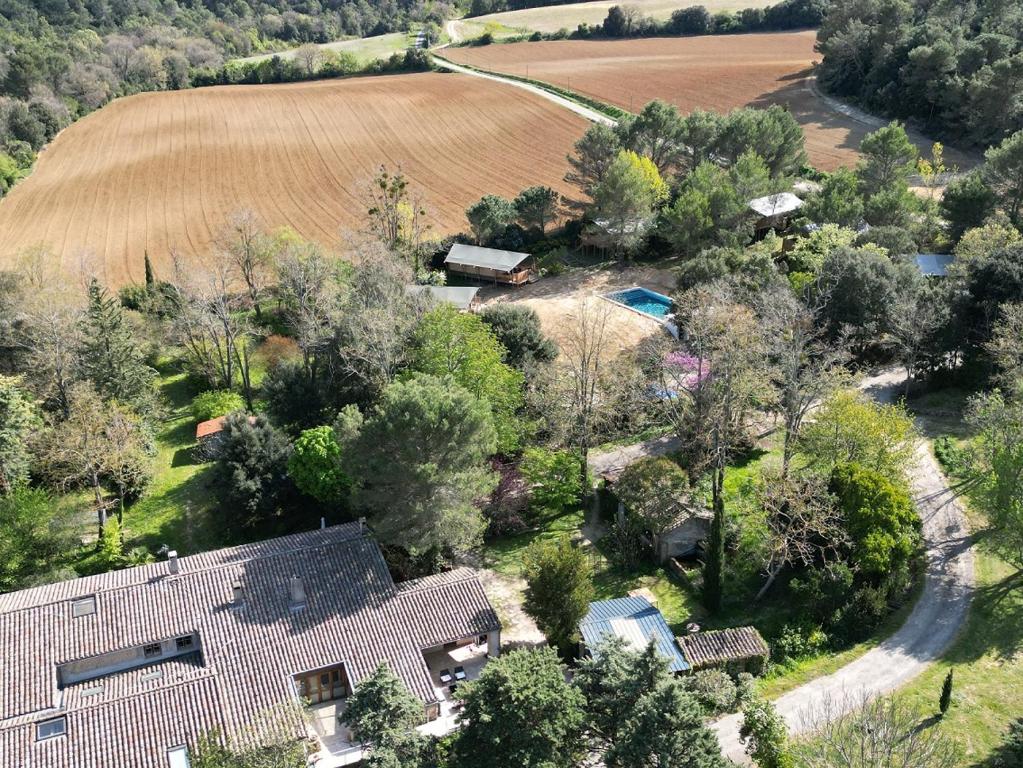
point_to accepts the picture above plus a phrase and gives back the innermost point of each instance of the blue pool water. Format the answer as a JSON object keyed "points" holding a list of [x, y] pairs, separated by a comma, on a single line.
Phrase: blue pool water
{"points": [[643, 300]]}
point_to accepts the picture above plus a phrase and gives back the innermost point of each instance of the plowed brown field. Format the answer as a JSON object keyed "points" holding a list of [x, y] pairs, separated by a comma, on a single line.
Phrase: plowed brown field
{"points": [[161, 171], [713, 72]]}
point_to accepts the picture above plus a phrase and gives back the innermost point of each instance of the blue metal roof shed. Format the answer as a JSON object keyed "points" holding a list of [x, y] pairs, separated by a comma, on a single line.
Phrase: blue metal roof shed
{"points": [[934, 264], [635, 621]]}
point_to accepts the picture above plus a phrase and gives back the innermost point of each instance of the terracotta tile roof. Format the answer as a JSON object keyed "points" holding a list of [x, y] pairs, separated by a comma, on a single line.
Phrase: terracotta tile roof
{"points": [[210, 427], [247, 654], [705, 649]]}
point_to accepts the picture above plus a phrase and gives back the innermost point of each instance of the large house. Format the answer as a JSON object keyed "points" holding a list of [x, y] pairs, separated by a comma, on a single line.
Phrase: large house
{"points": [[128, 669]]}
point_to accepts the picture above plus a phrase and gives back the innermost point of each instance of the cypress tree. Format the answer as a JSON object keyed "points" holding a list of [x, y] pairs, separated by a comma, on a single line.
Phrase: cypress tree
{"points": [[714, 567], [108, 355], [946, 694], [150, 277]]}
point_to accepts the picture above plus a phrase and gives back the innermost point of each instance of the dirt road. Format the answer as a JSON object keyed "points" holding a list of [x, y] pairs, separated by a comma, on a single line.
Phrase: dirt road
{"points": [[936, 619]]}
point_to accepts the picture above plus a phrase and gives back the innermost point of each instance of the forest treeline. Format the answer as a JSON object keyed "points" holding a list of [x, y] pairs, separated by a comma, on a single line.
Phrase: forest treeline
{"points": [[954, 67]]}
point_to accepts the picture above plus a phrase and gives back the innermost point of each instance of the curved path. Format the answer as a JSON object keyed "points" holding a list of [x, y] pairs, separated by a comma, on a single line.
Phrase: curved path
{"points": [[937, 617], [590, 114]]}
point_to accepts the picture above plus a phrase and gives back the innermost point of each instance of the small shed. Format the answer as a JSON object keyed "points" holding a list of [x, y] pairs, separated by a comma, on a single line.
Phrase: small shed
{"points": [[465, 299], [604, 234], [207, 430], [737, 649], [773, 212], [934, 264], [635, 621], [508, 267], [208, 434], [689, 529]]}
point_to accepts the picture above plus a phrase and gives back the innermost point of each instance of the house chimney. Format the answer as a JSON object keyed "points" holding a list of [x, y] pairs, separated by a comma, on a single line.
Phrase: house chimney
{"points": [[172, 562], [297, 590], [236, 590], [362, 525], [323, 523]]}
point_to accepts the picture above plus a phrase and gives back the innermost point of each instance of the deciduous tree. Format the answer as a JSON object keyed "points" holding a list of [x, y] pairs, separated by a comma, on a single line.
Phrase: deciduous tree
{"points": [[461, 346], [850, 428], [19, 419]]}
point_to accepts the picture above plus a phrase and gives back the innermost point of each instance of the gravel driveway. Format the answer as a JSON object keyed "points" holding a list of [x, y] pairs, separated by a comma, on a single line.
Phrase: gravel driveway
{"points": [[936, 619]]}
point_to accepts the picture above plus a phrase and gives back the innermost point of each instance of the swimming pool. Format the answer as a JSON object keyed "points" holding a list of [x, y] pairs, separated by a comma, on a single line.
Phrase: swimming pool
{"points": [[657, 305]]}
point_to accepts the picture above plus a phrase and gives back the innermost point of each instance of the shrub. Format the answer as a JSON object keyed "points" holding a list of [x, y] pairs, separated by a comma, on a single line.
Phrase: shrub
{"points": [[715, 690], [555, 477], [218, 402], [1010, 753], [795, 643], [135, 297], [866, 610], [315, 466]]}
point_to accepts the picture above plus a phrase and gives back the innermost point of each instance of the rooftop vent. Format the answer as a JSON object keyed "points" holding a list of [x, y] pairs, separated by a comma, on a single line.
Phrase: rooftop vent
{"points": [[173, 566], [297, 591]]}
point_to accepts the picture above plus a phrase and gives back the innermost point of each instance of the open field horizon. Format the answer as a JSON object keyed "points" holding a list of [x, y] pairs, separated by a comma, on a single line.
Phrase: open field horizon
{"points": [[712, 72], [551, 18], [159, 172]]}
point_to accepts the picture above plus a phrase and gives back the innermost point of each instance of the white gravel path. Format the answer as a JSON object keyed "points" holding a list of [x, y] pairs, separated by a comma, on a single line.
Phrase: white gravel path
{"points": [[937, 617]]}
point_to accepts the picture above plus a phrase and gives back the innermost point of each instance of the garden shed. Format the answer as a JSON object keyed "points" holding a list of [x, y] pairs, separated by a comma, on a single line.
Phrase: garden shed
{"points": [[637, 623], [737, 649]]}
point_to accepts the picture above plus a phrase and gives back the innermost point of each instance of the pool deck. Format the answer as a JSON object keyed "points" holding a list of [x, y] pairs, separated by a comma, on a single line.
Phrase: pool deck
{"points": [[667, 323]]}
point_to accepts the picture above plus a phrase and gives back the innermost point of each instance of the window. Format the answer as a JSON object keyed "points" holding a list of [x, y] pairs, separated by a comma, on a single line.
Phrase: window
{"points": [[84, 607], [184, 643], [152, 651], [177, 757], [51, 728]]}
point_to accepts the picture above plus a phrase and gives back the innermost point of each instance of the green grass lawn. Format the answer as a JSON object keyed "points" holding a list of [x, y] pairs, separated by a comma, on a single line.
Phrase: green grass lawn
{"points": [[174, 509], [987, 659], [366, 49]]}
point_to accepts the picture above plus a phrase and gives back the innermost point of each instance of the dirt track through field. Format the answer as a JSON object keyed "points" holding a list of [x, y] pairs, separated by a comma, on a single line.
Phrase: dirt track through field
{"points": [[711, 72], [160, 171]]}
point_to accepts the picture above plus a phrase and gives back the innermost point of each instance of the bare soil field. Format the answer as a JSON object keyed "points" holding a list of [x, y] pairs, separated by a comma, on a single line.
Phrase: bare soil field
{"points": [[161, 171], [551, 18], [715, 72]]}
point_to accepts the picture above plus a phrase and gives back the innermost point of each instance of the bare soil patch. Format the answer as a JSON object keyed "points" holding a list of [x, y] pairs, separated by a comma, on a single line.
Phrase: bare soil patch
{"points": [[557, 300], [160, 171], [714, 72]]}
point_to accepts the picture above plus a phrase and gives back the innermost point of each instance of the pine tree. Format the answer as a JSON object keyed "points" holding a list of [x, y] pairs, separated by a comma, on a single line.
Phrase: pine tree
{"points": [[109, 357], [946, 693], [150, 277], [714, 568]]}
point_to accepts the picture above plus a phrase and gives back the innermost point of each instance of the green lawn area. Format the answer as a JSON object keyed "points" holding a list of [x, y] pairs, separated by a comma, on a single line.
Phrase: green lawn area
{"points": [[173, 510], [365, 49]]}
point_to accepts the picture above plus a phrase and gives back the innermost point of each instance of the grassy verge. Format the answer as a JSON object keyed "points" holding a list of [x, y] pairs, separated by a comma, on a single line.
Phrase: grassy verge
{"points": [[599, 106]]}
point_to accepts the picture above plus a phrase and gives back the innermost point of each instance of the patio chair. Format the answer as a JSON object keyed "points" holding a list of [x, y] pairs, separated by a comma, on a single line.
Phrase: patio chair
{"points": [[445, 676], [459, 673]]}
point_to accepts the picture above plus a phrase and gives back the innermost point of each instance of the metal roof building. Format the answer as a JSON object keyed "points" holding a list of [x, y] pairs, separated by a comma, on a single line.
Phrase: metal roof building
{"points": [[484, 258], [128, 668], [776, 205], [635, 621], [462, 297], [934, 264]]}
